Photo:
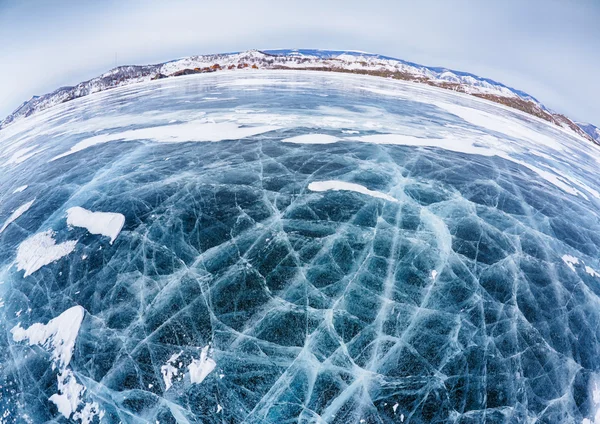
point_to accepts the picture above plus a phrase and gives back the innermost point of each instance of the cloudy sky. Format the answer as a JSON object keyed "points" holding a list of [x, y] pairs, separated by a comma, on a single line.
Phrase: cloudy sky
{"points": [[549, 48]]}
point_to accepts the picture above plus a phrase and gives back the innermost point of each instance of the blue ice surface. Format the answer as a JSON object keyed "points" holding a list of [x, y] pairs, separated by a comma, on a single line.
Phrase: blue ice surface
{"points": [[317, 306]]}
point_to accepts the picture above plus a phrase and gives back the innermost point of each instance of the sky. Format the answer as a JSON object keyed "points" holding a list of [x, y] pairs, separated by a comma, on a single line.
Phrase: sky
{"points": [[548, 48]]}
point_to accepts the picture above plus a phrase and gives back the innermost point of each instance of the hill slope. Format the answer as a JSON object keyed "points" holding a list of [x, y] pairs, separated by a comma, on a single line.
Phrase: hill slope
{"points": [[592, 130]]}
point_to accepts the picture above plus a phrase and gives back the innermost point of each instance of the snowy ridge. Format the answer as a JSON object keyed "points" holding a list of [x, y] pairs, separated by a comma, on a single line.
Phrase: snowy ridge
{"points": [[591, 130], [323, 60]]}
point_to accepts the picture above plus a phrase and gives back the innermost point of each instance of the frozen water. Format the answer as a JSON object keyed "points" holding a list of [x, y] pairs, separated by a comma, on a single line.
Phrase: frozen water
{"points": [[297, 247]]}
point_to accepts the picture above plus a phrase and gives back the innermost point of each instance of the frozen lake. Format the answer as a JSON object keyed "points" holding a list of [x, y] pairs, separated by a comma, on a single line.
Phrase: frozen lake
{"points": [[288, 246]]}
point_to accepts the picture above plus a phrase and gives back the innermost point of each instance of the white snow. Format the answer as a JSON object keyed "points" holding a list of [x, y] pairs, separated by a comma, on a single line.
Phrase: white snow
{"points": [[16, 214], [58, 335], [41, 249], [108, 224], [591, 271], [336, 185], [199, 369], [168, 370], [551, 177], [260, 82], [570, 261], [312, 139], [20, 189], [197, 131], [434, 274], [89, 411], [22, 155], [69, 394], [504, 125], [450, 143], [595, 389]]}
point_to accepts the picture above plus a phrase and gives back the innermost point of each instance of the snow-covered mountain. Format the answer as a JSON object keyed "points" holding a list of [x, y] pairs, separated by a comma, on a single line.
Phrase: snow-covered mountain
{"points": [[322, 60], [592, 130]]}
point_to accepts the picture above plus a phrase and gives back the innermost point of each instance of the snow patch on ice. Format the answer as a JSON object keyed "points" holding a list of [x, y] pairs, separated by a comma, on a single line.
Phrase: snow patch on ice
{"points": [[69, 393], [500, 124], [336, 185], [169, 370], [591, 271], [58, 336], [260, 82], [22, 155], [595, 389], [551, 177], [199, 369], [41, 249], [194, 131], [452, 144], [312, 139], [108, 224], [20, 189], [16, 214], [570, 261], [89, 411]]}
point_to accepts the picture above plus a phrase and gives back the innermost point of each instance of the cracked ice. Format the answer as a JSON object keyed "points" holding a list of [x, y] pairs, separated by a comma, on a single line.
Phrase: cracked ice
{"points": [[386, 253]]}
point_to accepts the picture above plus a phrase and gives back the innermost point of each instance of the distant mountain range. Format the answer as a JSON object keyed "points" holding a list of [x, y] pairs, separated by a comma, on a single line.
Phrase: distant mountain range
{"points": [[321, 60], [592, 130]]}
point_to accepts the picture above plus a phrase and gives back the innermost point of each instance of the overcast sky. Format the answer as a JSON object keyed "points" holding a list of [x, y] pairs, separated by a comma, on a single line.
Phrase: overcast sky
{"points": [[548, 48]]}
